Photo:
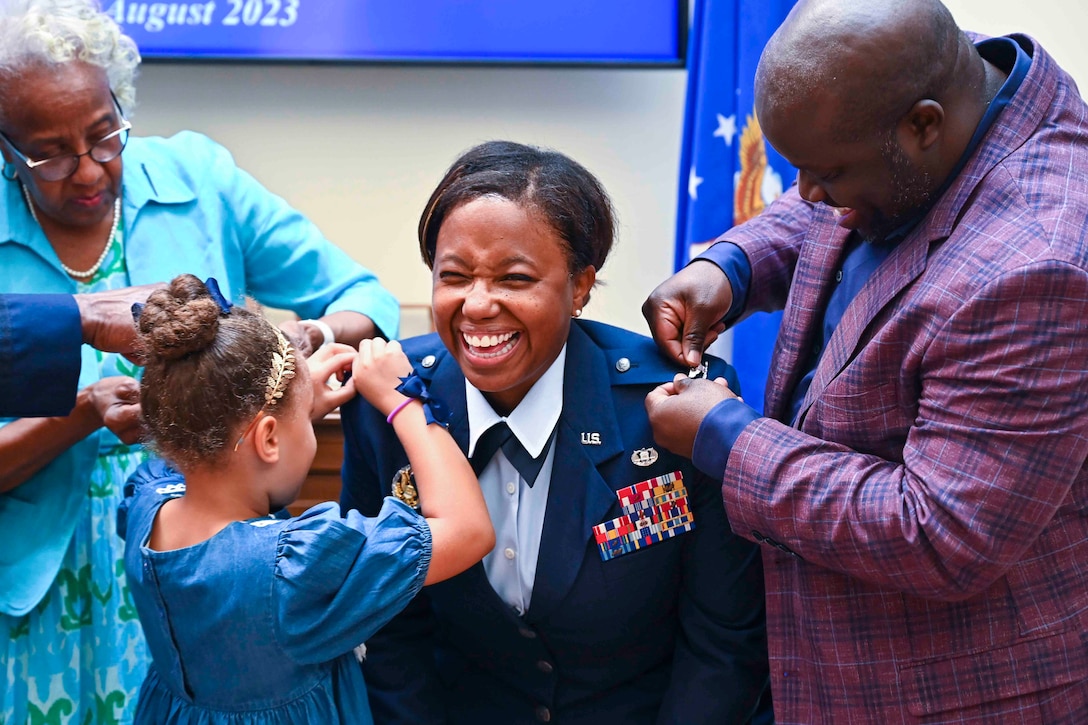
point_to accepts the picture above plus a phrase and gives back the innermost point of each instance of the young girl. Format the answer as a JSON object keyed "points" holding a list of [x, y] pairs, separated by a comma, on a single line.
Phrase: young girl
{"points": [[250, 618]]}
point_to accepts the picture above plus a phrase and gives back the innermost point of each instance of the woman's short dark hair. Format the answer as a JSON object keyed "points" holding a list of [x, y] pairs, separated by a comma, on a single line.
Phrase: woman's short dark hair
{"points": [[206, 373], [560, 189]]}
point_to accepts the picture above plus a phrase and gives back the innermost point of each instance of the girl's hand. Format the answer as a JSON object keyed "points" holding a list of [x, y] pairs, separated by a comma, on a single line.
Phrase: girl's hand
{"points": [[116, 403], [332, 360], [377, 372]]}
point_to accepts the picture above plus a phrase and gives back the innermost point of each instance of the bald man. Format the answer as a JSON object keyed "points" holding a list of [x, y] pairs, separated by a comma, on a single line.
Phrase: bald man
{"points": [[918, 481]]}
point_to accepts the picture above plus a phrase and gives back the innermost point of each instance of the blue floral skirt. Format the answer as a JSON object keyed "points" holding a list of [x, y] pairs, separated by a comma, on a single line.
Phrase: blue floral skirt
{"points": [[79, 657]]}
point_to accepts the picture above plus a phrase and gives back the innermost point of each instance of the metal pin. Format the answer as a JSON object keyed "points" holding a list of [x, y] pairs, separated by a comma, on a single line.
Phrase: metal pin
{"points": [[699, 371]]}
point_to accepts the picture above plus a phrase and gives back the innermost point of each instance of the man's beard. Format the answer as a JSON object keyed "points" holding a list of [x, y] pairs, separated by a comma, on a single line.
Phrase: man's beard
{"points": [[911, 196]]}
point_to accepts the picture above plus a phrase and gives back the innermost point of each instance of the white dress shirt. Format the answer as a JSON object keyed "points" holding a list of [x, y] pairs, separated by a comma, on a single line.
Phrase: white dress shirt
{"points": [[516, 508]]}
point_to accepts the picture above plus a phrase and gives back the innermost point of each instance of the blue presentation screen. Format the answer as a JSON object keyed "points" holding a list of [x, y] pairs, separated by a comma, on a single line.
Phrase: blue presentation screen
{"points": [[641, 32]]}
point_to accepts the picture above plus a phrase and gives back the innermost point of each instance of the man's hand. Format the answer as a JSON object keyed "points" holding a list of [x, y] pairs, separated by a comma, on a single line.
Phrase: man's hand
{"points": [[685, 311], [676, 410], [106, 318]]}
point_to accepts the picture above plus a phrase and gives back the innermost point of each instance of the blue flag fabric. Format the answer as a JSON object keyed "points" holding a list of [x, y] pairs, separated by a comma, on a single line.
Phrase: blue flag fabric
{"points": [[728, 174]]}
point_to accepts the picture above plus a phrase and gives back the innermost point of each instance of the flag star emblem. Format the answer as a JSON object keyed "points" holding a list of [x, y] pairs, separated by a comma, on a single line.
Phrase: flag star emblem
{"points": [[727, 128], [693, 184]]}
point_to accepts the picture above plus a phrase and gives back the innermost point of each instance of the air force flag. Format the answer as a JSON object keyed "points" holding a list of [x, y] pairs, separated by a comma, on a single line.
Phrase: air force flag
{"points": [[727, 173]]}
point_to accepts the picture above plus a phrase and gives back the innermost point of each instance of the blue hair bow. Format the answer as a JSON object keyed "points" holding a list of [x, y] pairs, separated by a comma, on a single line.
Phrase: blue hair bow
{"points": [[434, 409], [213, 290]]}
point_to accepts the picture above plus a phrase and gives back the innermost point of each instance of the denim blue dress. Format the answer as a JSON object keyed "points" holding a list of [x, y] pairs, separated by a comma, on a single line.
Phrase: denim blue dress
{"points": [[260, 624]]}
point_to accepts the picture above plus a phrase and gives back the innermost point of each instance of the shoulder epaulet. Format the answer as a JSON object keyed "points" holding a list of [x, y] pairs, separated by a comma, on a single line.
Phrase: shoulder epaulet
{"points": [[424, 352], [635, 359]]}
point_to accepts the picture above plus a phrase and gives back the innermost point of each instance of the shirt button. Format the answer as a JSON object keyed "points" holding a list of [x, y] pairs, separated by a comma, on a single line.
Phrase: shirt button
{"points": [[511, 488], [545, 667], [543, 714], [527, 633], [509, 553], [838, 276]]}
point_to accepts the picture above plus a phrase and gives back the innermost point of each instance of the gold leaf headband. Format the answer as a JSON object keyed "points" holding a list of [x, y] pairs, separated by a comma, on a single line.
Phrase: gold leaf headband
{"points": [[283, 369]]}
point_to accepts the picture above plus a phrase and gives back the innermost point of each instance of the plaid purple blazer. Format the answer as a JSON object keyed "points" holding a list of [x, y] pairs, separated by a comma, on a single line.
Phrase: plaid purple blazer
{"points": [[924, 519]]}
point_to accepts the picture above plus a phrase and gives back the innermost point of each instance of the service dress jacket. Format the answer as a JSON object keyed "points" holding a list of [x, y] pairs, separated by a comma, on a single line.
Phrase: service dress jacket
{"points": [[924, 519], [672, 633]]}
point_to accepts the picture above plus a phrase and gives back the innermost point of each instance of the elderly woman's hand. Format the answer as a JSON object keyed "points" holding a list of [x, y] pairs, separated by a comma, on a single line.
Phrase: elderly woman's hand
{"points": [[116, 401], [304, 338]]}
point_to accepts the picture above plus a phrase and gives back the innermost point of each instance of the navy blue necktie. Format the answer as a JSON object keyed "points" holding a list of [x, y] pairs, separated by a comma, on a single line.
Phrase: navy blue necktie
{"points": [[500, 436]]}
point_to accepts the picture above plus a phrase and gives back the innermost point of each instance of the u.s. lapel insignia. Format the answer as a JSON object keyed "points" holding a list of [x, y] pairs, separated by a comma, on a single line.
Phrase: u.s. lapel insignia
{"points": [[591, 439], [644, 456], [653, 510]]}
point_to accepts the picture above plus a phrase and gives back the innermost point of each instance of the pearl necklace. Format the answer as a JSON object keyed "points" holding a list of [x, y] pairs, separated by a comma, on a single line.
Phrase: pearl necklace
{"points": [[83, 274]]}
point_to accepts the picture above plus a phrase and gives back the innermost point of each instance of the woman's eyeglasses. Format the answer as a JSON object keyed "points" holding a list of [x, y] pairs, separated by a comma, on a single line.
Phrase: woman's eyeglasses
{"points": [[57, 168]]}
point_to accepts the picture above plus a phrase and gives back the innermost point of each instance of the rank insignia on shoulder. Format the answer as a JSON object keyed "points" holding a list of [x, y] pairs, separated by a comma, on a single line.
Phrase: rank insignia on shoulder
{"points": [[644, 456], [653, 510]]}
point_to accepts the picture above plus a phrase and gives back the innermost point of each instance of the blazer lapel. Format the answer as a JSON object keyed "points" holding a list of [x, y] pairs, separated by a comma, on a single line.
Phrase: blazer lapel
{"points": [[905, 264], [579, 496], [821, 253]]}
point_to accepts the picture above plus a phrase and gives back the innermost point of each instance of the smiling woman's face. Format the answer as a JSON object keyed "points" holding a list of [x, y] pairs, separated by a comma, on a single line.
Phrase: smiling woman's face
{"points": [[503, 296], [64, 109]]}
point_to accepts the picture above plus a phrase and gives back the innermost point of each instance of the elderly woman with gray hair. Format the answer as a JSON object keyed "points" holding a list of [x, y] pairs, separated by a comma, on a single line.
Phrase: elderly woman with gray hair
{"points": [[72, 222]]}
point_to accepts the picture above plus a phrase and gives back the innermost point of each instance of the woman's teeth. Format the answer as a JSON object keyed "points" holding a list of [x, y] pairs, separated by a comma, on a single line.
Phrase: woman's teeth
{"points": [[484, 345], [487, 340]]}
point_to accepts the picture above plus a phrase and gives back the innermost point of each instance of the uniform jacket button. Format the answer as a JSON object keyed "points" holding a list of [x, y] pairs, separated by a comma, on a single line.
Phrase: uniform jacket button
{"points": [[543, 714], [545, 667], [623, 365], [428, 361]]}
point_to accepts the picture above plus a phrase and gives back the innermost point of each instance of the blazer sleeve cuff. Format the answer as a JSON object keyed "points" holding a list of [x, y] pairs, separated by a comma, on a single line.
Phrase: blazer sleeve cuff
{"points": [[734, 263], [718, 434]]}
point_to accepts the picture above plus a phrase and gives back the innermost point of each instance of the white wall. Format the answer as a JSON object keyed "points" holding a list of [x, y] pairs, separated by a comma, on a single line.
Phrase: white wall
{"points": [[359, 148]]}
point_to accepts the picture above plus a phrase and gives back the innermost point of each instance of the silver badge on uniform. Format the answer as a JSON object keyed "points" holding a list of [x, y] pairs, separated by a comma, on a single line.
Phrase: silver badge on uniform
{"points": [[644, 456], [699, 371]]}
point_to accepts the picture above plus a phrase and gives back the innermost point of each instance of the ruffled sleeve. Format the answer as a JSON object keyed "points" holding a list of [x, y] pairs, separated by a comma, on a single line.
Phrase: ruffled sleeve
{"points": [[338, 580], [153, 481]]}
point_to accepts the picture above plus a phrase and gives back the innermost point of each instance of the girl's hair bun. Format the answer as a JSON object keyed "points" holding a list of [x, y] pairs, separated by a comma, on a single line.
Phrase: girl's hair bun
{"points": [[179, 320]]}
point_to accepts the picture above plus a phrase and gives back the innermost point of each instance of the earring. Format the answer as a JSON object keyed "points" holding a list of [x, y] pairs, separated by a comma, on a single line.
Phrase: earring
{"points": [[9, 171], [578, 312]]}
